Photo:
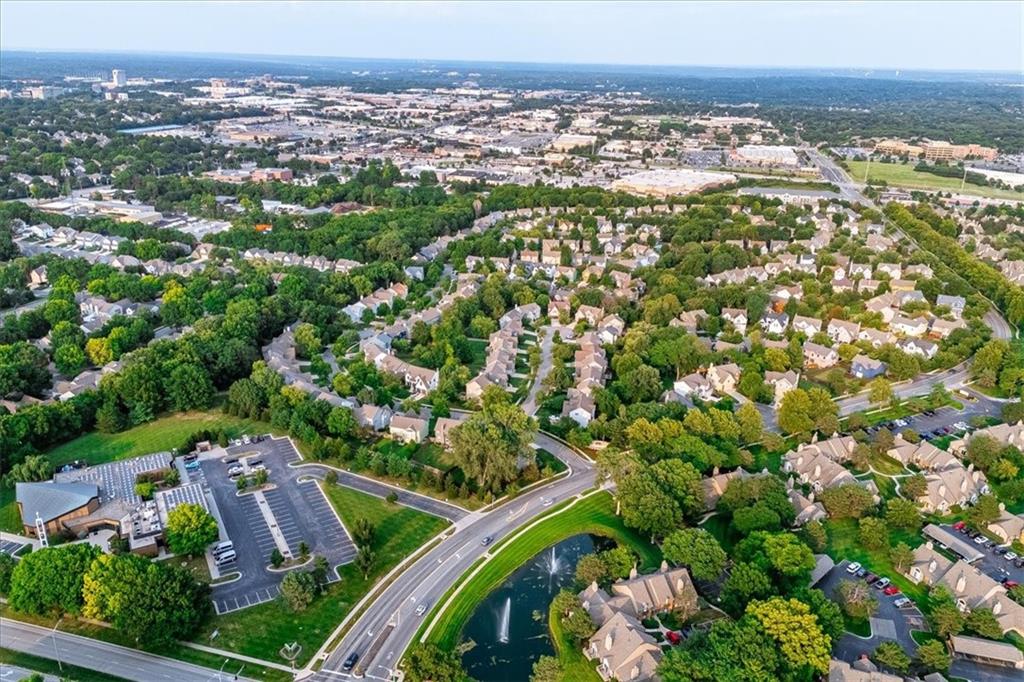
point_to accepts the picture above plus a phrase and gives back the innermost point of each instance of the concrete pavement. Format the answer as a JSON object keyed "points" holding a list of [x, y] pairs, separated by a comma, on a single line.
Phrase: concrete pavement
{"points": [[382, 633], [94, 654]]}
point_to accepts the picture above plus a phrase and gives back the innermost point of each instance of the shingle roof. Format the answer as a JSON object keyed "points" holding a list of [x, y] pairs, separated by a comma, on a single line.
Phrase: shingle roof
{"points": [[52, 500]]}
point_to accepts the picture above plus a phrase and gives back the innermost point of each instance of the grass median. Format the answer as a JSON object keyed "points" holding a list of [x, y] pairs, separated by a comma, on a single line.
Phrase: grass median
{"points": [[594, 514]]}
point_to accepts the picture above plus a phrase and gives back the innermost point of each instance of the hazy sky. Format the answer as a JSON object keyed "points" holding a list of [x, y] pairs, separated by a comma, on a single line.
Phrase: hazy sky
{"points": [[922, 35]]}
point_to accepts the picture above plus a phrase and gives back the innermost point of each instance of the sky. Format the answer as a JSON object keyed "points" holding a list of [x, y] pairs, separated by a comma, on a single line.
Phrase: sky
{"points": [[897, 35]]}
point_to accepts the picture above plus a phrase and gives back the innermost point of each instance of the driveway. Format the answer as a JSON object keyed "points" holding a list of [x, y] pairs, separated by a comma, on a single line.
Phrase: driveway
{"points": [[546, 339], [888, 624]]}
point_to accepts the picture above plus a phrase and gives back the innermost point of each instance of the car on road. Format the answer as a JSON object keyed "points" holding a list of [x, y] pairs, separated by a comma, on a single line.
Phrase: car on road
{"points": [[548, 501], [486, 541], [891, 591], [421, 609], [350, 662], [853, 568]]}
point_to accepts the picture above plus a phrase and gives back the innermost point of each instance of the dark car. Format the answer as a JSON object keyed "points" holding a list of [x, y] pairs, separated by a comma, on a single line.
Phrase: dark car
{"points": [[1000, 551], [350, 662], [861, 572], [870, 578]]}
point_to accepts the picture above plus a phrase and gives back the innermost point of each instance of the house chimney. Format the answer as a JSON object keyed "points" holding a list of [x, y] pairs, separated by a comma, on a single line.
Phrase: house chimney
{"points": [[632, 572], [961, 583], [608, 642]]}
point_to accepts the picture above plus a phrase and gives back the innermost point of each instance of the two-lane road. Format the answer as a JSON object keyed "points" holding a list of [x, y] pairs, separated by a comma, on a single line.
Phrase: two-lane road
{"points": [[382, 633]]}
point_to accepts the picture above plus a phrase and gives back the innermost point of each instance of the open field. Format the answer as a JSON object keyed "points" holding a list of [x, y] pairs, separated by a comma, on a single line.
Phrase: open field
{"points": [[595, 514], [262, 630], [904, 175]]}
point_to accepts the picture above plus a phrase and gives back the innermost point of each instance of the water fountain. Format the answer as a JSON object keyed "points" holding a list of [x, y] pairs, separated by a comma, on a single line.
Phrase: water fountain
{"points": [[553, 563], [503, 625]]}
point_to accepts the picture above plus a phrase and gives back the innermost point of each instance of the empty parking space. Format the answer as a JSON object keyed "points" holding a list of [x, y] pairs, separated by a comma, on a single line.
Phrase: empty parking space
{"points": [[332, 533], [11, 547], [285, 520], [259, 532]]}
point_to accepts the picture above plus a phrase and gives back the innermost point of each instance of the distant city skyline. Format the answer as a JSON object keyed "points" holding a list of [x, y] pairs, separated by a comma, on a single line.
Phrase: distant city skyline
{"points": [[962, 36]]}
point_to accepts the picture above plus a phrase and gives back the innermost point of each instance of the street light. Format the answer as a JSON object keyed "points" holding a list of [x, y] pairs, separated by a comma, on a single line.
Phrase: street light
{"points": [[56, 652]]}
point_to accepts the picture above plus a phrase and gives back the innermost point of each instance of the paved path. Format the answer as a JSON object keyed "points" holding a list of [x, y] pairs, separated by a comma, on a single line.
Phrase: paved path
{"points": [[382, 633], [94, 654], [546, 338]]}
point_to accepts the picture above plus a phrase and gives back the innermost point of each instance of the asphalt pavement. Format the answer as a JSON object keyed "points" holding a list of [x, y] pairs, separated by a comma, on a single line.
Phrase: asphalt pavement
{"points": [[92, 654], [383, 632]]}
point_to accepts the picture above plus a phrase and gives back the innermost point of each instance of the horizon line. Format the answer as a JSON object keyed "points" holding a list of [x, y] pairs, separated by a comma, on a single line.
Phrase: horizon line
{"points": [[242, 55]]}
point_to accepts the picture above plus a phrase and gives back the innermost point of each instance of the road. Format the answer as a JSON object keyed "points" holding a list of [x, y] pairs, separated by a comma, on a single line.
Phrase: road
{"points": [[41, 298], [546, 338], [429, 578], [96, 655]]}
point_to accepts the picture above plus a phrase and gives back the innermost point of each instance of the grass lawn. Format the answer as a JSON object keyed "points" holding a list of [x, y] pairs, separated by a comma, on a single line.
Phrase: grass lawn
{"points": [[595, 514], [262, 630], [843, 543], [720, 526], [479, 350], [155, 436], [181, 653], [904, 175], [575, 666], [45, 665]]}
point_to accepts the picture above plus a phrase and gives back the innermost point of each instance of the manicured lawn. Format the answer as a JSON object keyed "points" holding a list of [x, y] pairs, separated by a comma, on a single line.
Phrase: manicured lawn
{"points": [[479, 349], [595, 515], [575, 666], [843, 543], [904, 175], [721, 527], [262, 630], [155, 436], [182, 653], [45, 665]]}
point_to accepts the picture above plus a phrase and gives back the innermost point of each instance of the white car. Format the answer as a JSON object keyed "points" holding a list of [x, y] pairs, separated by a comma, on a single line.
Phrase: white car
{"points": [[548, 501], [236, 470], [853, 568], [901, 602], [1010, 556], [980, 540], [421, 609]]}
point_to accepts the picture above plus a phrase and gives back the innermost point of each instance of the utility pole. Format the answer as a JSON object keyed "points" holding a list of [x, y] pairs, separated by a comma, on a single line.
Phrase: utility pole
{"points": [[56, 651]]}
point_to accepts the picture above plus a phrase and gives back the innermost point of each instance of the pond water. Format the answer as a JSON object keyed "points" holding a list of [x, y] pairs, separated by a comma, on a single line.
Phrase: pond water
{"points": [[507, 633]]}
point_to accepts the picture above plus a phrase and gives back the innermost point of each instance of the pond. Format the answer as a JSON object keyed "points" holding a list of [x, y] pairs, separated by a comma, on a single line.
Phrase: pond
{"points": [[509, 629]]}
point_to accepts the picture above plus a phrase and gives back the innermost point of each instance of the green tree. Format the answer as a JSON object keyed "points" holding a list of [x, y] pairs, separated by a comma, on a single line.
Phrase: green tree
{"points": [[189, 388], [49, 580], [363, 531], [33, 468], [491, 443], [892, 656], [849, 500], [983, 623], [431, 663], [307, 341], [546, 669], [914, 486], [900, 513], [190, 529], [873, 533], [574, 619], [298, 590], [796, 630], [750, 422], [933, 656], [696, 549], [69, 359], [6, 570], [589, 569], [154, 603], [856, 599], [901, 556], [747, 581], [365, 560], [880, 391]]}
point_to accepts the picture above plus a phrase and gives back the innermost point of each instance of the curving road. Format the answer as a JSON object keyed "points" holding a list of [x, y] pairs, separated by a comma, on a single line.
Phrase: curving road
{"points": [[383, 632]]}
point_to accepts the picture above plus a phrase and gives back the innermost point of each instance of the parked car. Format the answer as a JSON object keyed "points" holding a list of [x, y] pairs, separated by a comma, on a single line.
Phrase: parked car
{"points": [[1010, 584], [853, 568], [998, 551], [235, 470], [902, 602], [1019, 563], [891, 590], [980, 540], [861, 573], [673, 637], [192, 466], [1010, 556], [960, 526], [870, 578], [881, 583]]}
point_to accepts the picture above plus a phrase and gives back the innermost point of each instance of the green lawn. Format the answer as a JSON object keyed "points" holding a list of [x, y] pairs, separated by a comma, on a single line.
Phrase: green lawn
{"points": [[595, 514], [904, 175], [262, 630], [45, 665], [721, 527], [181, 653], [479, 349], [160, 434]]}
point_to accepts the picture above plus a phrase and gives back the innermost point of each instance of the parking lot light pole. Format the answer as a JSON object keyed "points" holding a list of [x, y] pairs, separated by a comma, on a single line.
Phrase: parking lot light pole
{"points": [[56, 651]]}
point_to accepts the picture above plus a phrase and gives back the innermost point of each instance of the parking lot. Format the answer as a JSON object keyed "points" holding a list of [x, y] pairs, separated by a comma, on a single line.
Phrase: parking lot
{"points": [[282, 517], [888, 624], [993, 564], [11, 547]]}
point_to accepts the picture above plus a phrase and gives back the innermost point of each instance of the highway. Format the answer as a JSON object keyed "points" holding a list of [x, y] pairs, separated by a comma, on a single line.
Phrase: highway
{"points": [[382, 633], [112, 659]]}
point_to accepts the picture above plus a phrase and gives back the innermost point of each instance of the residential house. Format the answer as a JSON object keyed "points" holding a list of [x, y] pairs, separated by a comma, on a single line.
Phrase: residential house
{"points": [[724, 378], [695, 385], [864, 367], [591, 314], [956, 304], [1008, 527], [781, 383], [876, 337], [909, 326], [375, 417], [443, 430], [987, 652], [409, 429], [806, 325], [737, 317], [922, 455], [841, 331], [774, 323], [861, 670], [818, 356], [919, 347], [579, 407], [955, 485]]}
